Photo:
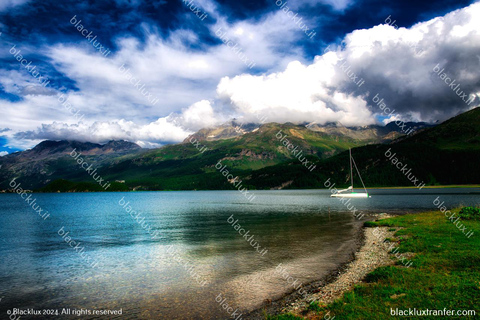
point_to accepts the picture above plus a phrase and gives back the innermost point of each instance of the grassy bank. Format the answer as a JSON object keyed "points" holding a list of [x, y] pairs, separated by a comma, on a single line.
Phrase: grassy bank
{"points": [[433, 186], [445, 273]]}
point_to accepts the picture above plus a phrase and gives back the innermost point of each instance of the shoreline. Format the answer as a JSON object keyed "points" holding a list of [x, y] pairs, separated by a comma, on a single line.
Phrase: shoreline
{"points": [[432, 187], [338, 281], [453, 186], [278, 306]]}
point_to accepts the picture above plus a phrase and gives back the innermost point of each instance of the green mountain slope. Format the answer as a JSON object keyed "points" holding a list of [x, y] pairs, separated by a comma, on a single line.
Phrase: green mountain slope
{"points": [[443, 155], [459, 133], [51, 160], [184, 167], [174, 167]]}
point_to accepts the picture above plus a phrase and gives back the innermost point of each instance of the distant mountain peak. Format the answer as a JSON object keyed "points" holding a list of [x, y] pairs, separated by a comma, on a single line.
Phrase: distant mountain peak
{"points": [[230, 129], [62, 146], [120, 145], [370, 133]]}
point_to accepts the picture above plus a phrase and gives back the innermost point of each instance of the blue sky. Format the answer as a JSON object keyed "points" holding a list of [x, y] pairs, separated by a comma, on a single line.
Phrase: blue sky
{"points": [[200, 78]]}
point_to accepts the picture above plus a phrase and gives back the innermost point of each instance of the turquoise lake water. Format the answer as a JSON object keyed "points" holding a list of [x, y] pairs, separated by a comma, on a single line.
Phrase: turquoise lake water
{"points": [[154, 268]]}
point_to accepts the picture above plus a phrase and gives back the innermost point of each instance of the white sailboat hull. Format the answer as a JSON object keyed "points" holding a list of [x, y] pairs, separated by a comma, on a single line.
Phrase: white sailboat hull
{"points": [[350, 195], [349, 192]]}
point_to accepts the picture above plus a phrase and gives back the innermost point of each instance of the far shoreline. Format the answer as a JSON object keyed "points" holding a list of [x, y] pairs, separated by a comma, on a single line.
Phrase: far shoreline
{"points": [[453, 186]]}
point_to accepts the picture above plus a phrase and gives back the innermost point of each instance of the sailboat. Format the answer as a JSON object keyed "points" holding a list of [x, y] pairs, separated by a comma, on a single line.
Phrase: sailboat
{"points": [[352, 194]]}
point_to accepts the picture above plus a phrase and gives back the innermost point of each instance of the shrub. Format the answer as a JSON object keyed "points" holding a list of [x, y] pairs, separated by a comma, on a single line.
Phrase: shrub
{"points": [[469, 213]]}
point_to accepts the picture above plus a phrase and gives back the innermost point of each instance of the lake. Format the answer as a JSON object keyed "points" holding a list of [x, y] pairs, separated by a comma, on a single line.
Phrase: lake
{"points": [[171, 255]]}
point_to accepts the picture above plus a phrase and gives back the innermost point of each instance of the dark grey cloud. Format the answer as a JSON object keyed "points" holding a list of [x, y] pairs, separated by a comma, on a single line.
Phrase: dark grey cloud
{"points": [[395, 65], [401, 69]]}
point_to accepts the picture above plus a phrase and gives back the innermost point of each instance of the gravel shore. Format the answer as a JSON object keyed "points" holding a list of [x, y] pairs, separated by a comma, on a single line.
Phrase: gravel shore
{"points": [[371, 255]]}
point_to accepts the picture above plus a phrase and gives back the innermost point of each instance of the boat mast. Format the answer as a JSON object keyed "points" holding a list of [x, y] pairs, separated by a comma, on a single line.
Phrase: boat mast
{"points": [[358, 171], [351, 169]]}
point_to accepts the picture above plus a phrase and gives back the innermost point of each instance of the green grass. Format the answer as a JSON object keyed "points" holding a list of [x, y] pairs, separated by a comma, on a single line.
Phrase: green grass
{"points": [[314, 306], [445, 273], [287, 316], [469, 213]]}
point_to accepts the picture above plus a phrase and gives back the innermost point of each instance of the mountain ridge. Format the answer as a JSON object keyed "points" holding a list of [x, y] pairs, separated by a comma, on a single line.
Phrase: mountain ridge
{"points": [[446, 154], [257, 156]]}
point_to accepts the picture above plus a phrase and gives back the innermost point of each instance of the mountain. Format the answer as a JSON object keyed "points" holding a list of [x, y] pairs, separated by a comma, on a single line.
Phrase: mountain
{"points": [[51, 160], [49, 149], [443, 155], [371, 133], [230, 129], [255, 153], [365, 134], [459, 133], [185, 167]]}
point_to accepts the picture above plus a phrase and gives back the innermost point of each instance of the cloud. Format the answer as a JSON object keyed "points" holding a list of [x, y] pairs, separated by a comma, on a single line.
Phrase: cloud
{"points": [[3, 153], [171, 129], [177, 68], [200, 82], [167, 68], [160, 130], [9, 4], [37, 90], [200, 115], [298, 94], [336, 4], [396, 64]]}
